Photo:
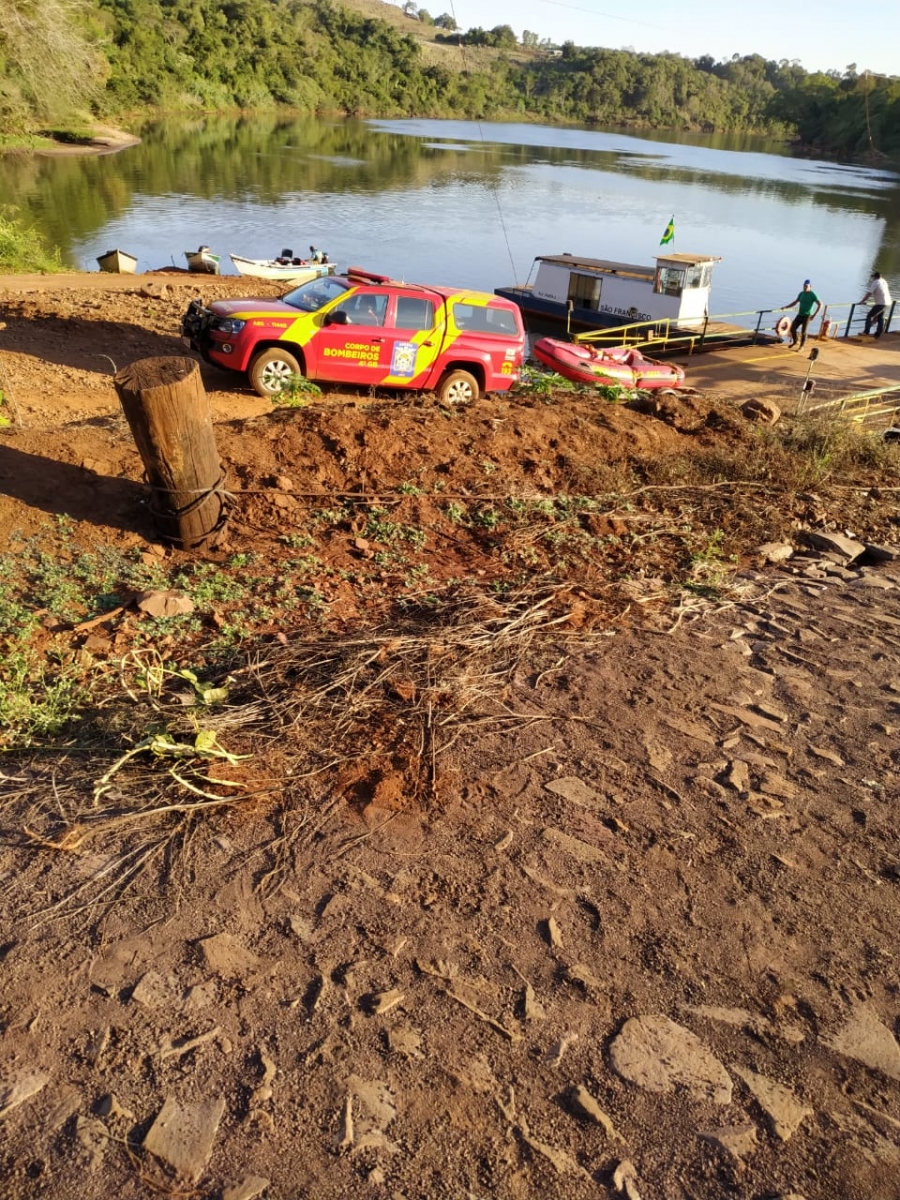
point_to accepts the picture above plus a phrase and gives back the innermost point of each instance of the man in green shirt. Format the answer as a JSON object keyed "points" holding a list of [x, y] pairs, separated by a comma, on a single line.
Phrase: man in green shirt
{"points": [[807, 305]]}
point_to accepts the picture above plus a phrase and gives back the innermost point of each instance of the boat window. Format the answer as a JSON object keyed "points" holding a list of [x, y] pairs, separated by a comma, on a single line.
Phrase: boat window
{"points": [[584, 290], [414, 313], [478, 319], [698, 276], [315, 294], [364, 308], [669, 281]]}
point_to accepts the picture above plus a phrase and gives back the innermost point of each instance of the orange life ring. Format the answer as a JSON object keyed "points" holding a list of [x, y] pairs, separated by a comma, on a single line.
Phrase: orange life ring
{"points": [[782, 326]]}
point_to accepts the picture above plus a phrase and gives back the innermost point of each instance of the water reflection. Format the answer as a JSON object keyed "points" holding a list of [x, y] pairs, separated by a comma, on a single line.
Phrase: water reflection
{"points": [[469, 203]]}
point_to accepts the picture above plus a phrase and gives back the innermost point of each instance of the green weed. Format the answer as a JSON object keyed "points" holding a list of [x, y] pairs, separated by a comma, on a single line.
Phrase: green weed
{"points": [[296, 392]]}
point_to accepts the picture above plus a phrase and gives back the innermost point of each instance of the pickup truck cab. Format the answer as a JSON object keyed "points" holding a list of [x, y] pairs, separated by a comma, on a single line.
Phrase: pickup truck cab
{"points": [[368, 330]]}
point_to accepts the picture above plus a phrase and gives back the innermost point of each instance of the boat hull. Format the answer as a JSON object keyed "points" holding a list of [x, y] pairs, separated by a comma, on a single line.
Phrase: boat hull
{"points": [[202, 262], [296, 273], [622, 366], [117, 262], [551, 310]]}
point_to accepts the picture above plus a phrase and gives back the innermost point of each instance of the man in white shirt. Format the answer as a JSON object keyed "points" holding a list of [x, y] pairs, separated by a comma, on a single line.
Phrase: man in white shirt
{"points": [[880, 294]]}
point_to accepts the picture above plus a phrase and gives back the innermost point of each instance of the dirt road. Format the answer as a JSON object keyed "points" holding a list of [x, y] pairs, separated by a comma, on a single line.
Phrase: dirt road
{"points": [[587, 889]]}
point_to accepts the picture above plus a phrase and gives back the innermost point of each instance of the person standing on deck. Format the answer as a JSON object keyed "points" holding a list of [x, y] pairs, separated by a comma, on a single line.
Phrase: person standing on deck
{"points": [[808, 305], [880, 295]]}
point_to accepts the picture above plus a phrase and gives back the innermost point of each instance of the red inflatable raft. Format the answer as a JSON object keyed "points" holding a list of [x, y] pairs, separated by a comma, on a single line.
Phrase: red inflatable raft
{"points": [[621, 365]]}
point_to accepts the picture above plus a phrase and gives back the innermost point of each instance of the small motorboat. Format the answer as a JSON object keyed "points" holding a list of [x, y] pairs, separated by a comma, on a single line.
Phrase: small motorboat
{"points": [[117, 262], [286, 267], [202, 261], [622, 365]]}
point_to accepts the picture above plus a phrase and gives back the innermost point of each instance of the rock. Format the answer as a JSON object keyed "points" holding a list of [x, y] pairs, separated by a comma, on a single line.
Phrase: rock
{"points": [[763, 412], [876, 553], [873, 581], [836, 543], [736, 1140], [225, 955], [865, 1039], [769, 710], [579, 973], [737, 775], [781, 1106], [586, 1106], [175, 1047], [93, 1138], [283, 483], [153, 991], [22, 1088], [110, 1108], [532, 1008], [775, 552], [827, 755], [625, 1179], [774, 784], [164, 603], [377, 1100], [65, 1102], [405, 1040], [661, 1056], [554, 1055], [554, 935], [382, 1002], [155, 291], [247, 1189], [575, 791], [183, 1134]]}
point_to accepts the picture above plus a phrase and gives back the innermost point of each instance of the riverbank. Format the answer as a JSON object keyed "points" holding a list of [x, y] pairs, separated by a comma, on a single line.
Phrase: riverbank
{"points": [[99, 139], [486, 816]]}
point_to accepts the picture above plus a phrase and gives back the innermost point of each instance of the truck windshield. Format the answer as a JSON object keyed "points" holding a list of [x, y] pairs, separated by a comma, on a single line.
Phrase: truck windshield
{"points": [[315, 294]]}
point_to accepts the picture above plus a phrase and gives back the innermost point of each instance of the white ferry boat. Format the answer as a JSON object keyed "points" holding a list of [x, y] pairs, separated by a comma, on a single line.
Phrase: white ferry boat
{"points": [[596, 293]]}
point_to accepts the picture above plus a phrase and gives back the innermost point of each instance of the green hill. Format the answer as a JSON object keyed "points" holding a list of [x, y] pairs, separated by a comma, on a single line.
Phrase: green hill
{"points": [[68, 62]]}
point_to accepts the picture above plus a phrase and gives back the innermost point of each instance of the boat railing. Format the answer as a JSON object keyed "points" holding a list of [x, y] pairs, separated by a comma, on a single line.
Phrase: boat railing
{"points": [[668, 336], [852, 319], [877, 404]]}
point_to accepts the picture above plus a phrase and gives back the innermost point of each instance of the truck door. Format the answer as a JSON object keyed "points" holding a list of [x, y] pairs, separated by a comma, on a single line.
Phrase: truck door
{"points": [[356, 347]]}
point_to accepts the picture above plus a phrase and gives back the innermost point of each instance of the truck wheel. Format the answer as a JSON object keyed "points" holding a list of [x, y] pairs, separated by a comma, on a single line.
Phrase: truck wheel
{"points": [[458, 387], [272, 370]]}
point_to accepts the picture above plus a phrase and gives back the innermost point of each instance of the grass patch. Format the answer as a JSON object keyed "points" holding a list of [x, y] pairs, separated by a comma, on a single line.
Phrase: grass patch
{"points": [[22, 248]]}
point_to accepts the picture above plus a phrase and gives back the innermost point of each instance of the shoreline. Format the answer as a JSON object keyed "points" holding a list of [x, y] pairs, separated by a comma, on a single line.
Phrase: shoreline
{"points": [[105, 140]]}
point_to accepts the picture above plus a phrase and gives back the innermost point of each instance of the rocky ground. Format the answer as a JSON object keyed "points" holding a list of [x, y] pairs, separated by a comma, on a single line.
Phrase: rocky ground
{"points": [[563, 857]]}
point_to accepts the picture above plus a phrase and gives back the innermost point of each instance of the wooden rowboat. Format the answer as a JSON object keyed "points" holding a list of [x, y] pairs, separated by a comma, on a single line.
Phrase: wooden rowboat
{"points": [[117, 262], [285, 268], [202, 261], [622, 365]]}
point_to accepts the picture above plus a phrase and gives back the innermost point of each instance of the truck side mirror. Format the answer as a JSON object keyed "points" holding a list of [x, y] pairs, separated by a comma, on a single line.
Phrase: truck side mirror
{"points": [[336, 318]]}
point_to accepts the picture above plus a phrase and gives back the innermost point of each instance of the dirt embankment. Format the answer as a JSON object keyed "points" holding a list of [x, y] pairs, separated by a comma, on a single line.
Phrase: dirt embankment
{"points": [[535, 853]]}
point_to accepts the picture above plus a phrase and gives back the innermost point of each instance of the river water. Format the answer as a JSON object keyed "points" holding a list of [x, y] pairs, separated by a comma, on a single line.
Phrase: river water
{"points": [[470, 204]]}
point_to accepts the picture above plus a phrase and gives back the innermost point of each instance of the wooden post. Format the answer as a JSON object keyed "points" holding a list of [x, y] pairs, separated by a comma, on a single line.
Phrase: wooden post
{"points": [[166, 407]]}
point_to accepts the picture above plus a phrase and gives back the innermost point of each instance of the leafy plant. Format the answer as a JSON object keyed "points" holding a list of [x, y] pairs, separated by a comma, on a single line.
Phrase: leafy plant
{"points": [[295, 392], [22, 247]]}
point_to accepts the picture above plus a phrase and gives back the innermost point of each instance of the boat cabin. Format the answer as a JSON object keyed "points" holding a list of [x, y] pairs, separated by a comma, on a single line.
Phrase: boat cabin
{"points": [[597, 292]]}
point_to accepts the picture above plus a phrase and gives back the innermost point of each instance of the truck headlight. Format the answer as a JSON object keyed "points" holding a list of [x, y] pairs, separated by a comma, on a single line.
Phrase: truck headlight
{"points": [[230, 325]]}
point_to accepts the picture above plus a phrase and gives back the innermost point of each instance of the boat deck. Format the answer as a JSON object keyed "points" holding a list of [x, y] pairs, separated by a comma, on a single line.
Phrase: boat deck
{"points": [[844, 367]]}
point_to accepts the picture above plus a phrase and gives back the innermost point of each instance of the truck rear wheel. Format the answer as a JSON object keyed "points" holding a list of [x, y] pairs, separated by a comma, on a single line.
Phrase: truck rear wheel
{"points": [[458, 387], [272, 370]]}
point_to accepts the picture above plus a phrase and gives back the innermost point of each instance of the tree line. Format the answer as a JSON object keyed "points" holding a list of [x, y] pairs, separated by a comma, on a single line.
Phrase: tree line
{"points": [[62, 61]]}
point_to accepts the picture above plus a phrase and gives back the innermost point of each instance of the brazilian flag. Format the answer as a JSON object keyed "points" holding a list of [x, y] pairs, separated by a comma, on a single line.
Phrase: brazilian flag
{"points": [[669, 235]]}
